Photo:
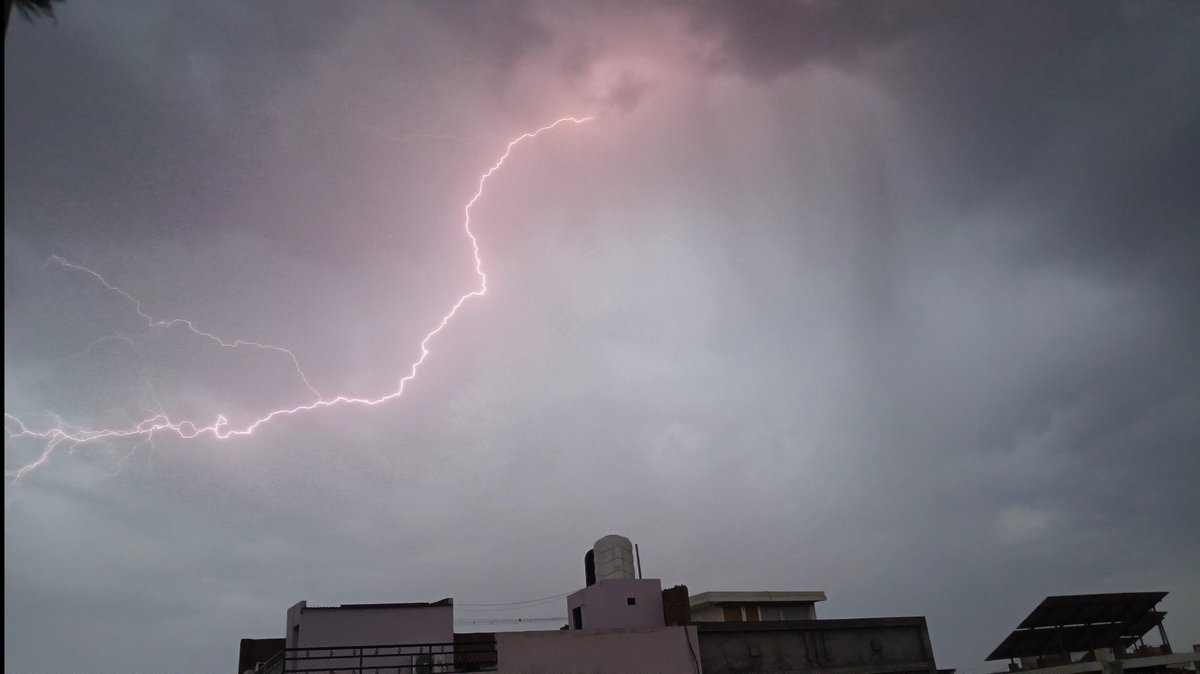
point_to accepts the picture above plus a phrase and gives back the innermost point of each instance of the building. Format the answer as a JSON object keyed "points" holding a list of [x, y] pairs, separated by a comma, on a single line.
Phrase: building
{"points": [[618, 622], [257, 655], [853, 646], [617, 602], [732, 607], [365, 624], [413, 633], [613, 596]]}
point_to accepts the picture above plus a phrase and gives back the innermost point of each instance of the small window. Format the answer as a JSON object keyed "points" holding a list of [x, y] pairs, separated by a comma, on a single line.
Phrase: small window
{"points": [[631, 601]]}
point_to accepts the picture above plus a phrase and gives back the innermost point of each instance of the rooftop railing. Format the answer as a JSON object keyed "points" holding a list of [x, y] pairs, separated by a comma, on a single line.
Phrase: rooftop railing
{"points": [[477, 655]]}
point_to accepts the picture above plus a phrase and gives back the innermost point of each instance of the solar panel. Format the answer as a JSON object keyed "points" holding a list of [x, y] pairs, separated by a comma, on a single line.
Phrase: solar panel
{"points": [[1073, 623], [1081, 609], [1142, 625], [1051, 640]]}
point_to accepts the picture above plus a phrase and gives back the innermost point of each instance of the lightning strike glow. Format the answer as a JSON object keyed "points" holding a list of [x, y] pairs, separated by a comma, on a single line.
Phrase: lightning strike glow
{"points": [[161, 423]]}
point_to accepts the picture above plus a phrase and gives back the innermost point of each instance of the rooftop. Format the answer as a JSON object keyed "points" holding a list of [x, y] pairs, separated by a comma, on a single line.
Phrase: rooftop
{"points": [[760, 597], [414, 604]]}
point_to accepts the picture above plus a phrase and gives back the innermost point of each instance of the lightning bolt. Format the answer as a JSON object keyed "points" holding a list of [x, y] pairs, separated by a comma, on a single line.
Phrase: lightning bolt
{"points": [[161, 423], [158, 325]]}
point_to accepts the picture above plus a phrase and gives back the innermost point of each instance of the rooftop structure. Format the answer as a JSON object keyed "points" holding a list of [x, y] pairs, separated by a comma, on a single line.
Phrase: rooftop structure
{"points": [[1090, 632], [854, 646], [754, 606], [618, 622]]}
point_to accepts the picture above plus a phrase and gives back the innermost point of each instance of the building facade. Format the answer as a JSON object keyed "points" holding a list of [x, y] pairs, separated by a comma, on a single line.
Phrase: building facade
{"points": [[618, 622], [755, 606]]}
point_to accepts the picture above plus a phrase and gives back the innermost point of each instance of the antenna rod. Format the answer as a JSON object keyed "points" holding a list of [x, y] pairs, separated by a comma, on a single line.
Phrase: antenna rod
{"points": [[638, 555]]}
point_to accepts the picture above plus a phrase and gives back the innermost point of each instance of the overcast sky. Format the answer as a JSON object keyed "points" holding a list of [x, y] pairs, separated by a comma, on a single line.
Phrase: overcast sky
{"points": [[896, 301]]}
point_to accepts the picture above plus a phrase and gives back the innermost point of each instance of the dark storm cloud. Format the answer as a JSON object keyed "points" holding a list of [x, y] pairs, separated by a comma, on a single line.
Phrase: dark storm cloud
{"points": [[1064, 137], [1086, 113], [160, 101], [1083, 120], [999, 84], [765, 39], [501, 32]]}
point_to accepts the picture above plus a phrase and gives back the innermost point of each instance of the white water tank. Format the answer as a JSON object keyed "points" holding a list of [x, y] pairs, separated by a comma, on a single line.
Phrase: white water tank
{"points": [[614, 558]]}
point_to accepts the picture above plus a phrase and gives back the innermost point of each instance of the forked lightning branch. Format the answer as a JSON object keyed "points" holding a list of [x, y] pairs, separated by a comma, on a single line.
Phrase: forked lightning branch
{"points": [[62, 434]]}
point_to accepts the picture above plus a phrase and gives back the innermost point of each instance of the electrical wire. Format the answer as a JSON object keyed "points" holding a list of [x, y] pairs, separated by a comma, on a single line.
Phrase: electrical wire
{"points": [[507, 621], [688, 636], [503, 609], [516, 603], [509, 607]]}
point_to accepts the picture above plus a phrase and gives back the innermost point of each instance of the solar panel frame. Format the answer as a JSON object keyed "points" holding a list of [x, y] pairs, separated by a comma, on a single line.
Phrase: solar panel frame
{"points": [[1083, 609], [1073, 623]]}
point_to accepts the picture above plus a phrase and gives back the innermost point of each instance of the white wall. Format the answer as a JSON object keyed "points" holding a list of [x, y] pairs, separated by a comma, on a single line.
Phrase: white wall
{"points": [[716, 614]]}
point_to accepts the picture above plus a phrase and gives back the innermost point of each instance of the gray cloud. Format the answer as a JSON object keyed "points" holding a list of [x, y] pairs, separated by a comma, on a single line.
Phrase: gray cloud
{"points": [[767, 39]]}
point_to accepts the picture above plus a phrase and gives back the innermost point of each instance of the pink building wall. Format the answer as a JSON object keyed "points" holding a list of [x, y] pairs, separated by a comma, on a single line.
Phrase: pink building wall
{"points": [[369, 624], [657, 649], [605, 605]]}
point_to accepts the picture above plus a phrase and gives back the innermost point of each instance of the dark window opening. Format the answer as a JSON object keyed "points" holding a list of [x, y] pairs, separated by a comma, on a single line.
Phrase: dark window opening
{"points": [[631, 601], [577, 617]]}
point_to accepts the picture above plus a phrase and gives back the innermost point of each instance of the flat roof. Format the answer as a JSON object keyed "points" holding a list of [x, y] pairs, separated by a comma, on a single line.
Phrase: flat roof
{"points": [[811, 625], [757, 597], [416, 604]]}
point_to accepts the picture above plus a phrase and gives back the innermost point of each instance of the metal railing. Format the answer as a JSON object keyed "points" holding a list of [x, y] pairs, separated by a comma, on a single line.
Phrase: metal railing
{"points": [[433, 658], [272, 666]]}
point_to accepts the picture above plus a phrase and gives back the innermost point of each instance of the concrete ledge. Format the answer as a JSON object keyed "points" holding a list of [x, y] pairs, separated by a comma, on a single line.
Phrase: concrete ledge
{"points": [[1125, 664], [811, 625]]}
